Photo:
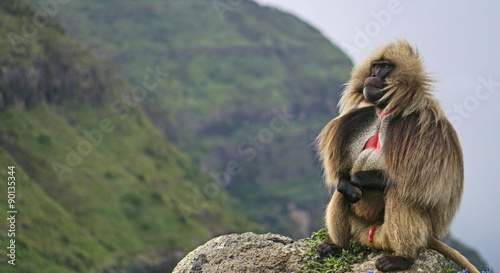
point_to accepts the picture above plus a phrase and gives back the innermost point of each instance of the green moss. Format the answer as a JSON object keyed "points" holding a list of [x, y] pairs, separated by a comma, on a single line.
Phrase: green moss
{"points": [[339, 263], [449, 269]]}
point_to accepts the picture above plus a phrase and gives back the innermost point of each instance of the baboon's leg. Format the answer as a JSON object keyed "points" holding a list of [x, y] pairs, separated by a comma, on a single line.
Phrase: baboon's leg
{"points": [[338, 225], [406, 229]]}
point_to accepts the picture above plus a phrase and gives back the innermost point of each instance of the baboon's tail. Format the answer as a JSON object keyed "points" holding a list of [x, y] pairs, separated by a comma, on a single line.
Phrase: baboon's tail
{"points": [[452, 254]]}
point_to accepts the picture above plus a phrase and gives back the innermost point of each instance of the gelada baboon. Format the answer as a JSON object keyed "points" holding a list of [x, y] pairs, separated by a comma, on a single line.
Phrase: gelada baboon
{"points": [[395, 161]]}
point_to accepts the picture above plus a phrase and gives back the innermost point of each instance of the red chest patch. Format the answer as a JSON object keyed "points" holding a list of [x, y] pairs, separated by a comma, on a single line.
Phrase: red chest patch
{"points": [[373, 142]]}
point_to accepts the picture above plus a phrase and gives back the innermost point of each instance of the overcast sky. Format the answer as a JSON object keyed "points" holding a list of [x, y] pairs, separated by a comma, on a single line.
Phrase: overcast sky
{"points": [[459, 41]]}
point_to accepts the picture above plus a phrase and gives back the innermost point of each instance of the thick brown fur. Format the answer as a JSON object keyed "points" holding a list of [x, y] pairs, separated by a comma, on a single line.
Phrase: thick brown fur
{"points": [[421, 156]]}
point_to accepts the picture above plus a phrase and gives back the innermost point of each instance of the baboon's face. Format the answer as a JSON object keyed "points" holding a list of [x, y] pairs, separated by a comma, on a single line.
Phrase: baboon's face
{"points": [[374, 85]]}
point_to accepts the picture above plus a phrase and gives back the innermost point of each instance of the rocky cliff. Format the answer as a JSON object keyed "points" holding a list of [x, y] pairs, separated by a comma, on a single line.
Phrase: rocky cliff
{"points": [[249, 252]]}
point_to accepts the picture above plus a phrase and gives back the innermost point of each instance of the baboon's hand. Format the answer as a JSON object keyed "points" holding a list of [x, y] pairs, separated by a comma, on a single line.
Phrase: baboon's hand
{"points": [[351, 192], [393, 263], [326, 249], [369, 180]]}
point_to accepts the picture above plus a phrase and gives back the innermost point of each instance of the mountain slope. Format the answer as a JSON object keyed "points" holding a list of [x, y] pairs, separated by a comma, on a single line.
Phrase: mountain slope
{"points": [[98, 187], [246, 94], [248, 89]]}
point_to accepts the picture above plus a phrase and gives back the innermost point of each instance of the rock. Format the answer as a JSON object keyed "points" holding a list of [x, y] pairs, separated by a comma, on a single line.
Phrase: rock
{"points": [[246, 252], [269, 252]]}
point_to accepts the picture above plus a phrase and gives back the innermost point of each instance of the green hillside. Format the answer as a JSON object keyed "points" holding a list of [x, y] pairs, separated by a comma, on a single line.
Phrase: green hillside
{"points": [[98, 188], [249, 87]]}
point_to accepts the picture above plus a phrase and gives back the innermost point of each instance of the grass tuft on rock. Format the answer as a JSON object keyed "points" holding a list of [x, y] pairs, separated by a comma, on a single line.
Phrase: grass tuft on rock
{"points": [[338, 263]]}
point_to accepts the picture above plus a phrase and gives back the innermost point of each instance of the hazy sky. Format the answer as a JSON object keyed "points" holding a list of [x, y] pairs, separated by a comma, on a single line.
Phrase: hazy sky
{"points": [[459, 41]]}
